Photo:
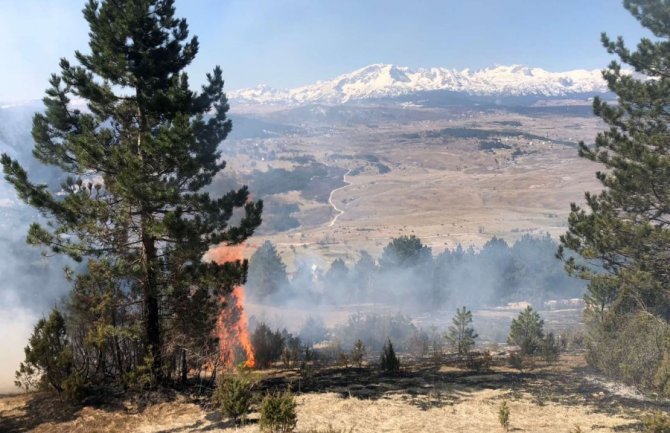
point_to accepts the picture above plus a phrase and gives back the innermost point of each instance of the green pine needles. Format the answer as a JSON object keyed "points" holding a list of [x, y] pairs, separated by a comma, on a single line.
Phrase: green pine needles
{"points": [[135, 162], [461, 335], [623, 233]]}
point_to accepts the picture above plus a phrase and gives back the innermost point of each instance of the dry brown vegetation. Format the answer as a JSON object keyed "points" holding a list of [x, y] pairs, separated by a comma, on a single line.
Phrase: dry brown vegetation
{"points": [[423, 398], [445, 190]]}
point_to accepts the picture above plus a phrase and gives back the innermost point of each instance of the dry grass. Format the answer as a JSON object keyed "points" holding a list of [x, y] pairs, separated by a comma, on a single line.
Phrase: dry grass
{"points": [[421, 399], [445, 191]]}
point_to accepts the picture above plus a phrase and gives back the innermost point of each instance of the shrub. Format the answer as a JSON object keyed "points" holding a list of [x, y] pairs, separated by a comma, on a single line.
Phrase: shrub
{"points": [[517, 361], [292, 349], [527, 332], [662, 375], [268, 345], [278, 413], [358, 353], [632, 349], [550, 348], [75, 388], [49, 360], [573, 339], [389, 362], [373, 329], [657, 422], [342, 360], [479, 361], [233, 396], [503, 415], [140, 377]]}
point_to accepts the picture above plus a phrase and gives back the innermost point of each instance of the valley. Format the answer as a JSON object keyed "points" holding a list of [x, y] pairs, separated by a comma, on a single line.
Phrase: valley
{"points": [[449, 176]]}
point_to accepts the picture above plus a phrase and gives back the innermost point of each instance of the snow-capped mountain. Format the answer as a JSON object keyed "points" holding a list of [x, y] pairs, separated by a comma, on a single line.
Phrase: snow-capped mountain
{"points": [[389, 81]]}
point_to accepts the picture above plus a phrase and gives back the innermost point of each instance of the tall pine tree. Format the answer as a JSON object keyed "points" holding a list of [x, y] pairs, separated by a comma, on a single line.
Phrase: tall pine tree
{"points": [[138, 157], [267, 272], [624, 231]]}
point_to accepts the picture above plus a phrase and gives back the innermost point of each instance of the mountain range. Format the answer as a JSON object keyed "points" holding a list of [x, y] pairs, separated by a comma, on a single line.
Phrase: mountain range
{"points": [[382, 81]]}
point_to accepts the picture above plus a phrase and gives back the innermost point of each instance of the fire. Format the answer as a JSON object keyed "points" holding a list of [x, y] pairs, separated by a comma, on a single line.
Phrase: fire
{"points": [[232, 326]]}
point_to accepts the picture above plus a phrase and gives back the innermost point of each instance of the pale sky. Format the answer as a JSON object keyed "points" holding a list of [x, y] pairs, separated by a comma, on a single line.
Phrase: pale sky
{"points": [[286, 43]]}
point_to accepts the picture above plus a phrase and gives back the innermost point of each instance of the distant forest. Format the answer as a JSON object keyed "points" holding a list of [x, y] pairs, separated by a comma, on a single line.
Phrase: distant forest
{"points": [[407, 273]]}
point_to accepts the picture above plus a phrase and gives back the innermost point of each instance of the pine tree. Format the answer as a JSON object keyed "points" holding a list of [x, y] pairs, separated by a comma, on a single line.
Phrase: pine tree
{"points": [[138, 158], [267, 272], [363, 274], [388, 360], [337, 274], [461, 336], [624, 231], [527, 332], [404, 252], [48, 354]]}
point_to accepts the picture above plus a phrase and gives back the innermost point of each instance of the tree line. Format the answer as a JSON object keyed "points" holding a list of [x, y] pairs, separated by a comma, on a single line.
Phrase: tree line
{"points": [[407, 273]]}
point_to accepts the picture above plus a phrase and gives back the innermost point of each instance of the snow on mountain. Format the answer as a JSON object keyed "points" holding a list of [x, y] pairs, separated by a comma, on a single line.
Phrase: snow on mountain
{"points": [[385, 81]]}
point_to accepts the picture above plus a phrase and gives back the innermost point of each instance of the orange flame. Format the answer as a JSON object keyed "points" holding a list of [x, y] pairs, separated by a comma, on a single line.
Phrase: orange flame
{"points": [[232, 326]]}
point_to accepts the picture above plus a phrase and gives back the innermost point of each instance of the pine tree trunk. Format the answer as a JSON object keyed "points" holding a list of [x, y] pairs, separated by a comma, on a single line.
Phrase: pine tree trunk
{"points": [[184, 368], [151, 316]]}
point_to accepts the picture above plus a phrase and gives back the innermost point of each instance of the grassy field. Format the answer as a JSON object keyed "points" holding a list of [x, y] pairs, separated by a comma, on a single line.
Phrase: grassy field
{"points": [[441, 184], [425, 397]]}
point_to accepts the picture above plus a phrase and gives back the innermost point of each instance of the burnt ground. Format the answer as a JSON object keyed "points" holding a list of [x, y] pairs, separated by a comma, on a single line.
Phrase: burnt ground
{"points": [[569, 385]]}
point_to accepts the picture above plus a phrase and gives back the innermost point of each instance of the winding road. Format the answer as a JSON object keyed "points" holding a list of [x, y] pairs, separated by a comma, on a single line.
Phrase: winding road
{"points": [[330, 199]]}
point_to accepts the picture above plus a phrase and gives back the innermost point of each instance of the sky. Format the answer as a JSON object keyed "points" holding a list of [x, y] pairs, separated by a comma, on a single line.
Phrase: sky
{"points": [[287, 43]]}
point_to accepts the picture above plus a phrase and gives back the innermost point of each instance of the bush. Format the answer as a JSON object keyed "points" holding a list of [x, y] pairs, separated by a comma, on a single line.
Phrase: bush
{"points": [[517, 361], [389, 362], [268, 345], [550, 348], [633, 349], [278, 413], [573, 339], [479, 361], [292, 349], [662, 375], [358, 353], [373, 329], [140, 377], [75, 388], [233, 396], [658, 422], [342, 360], [503, 415], [49, 361], [527, 332]]}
